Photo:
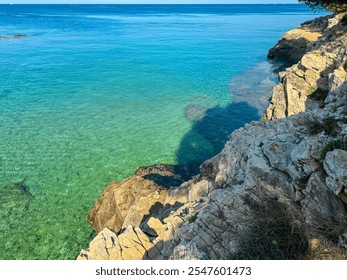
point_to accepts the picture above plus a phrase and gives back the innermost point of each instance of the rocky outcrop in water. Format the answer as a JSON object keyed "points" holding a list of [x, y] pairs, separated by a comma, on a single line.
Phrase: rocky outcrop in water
{"points": [[293, 45], [305, 85], [277, 190]]}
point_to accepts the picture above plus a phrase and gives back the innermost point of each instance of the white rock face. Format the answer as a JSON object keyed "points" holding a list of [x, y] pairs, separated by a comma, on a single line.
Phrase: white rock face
{"points": [[324, 55], [335, 165], [276, 190]]}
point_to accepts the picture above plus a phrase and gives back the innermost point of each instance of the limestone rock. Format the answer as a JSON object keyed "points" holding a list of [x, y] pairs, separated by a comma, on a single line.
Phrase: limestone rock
{"points": [[343, 241], [168, 175], [153, 227], [190, 252], [106, 212], [323, 211], [335, 165], [198, 190], [132, 244], [310, 80], [127, 203], [294, 43]]}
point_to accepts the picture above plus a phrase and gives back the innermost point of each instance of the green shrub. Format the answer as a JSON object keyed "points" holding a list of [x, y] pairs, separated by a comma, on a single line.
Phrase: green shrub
{"points": [[336, 144], [329, 125], [193, 218], [270, 229], [330, 5], [318, 94], [315, 127], [274, 232]]}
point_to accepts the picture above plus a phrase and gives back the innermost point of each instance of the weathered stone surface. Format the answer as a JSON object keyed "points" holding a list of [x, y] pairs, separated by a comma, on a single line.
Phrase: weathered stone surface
{"points": [[187, 252], [132, 244], [335, 165], [311, 75], [177, 195], [153, 227], [294, 43], [100, 246], [168, 175], [106, 212], [127, 203], [343, 241], [198, 190]]}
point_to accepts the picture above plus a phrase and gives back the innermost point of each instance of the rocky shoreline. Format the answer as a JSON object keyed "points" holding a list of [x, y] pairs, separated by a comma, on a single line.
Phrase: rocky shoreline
{"points": [[278, 189]]}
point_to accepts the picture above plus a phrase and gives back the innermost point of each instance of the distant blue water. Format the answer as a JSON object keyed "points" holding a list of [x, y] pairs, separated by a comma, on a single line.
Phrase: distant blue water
{"points": [[92, 92]]}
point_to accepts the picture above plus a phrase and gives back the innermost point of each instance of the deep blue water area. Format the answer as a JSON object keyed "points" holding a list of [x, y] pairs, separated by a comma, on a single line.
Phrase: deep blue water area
{"points": [[92, 92]]}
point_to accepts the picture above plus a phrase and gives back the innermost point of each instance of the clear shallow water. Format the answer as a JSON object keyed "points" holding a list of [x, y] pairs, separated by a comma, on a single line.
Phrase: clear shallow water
{"points": [[94, 91]]}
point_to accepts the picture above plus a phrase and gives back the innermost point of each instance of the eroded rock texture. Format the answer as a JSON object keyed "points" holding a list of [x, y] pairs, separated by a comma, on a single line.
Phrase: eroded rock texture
{"points": [[305, 85]]}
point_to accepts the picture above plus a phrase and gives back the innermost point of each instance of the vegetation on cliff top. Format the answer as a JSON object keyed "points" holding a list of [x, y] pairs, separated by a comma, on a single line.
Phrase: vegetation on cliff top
{"points": [[331, 5]]}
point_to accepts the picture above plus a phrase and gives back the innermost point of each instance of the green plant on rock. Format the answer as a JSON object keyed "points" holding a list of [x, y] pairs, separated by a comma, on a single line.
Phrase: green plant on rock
{"points": [[272, 231], [329, 126], [332, 145], [312, 90], [334, 108], [314, 127], [317, 94], [193, 218], [330, 5]]}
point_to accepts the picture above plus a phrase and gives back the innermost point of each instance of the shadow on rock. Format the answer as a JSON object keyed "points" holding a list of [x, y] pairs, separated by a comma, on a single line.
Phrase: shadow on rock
{"points": [[168, 175]]}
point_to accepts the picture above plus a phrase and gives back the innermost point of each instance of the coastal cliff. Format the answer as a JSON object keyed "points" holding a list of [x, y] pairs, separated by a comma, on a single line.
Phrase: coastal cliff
{"points": [[278, 189]]}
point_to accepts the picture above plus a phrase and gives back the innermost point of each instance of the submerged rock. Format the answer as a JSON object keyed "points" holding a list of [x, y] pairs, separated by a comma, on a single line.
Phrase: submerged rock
{"points": [[13, 36], [15, 200], [194, 112], [19, 190], [254, 86]]}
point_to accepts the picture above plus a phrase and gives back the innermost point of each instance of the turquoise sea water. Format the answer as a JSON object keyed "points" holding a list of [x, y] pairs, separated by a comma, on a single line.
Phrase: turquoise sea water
{"points": [[93, 92]]}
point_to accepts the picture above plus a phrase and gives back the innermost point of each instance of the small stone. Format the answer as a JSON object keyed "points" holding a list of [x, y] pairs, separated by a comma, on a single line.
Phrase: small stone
{"points": [[153, 227], [314, 243]]}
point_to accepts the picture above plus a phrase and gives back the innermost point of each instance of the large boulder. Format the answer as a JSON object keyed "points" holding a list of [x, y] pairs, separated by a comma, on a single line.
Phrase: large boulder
{"points": [[127, 203], [132, 244], [335, 165]]}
